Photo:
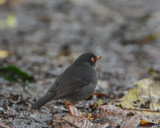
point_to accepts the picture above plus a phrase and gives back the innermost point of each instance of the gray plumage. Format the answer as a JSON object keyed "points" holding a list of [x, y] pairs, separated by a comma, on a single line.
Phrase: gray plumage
{"points": [[76, 83]]}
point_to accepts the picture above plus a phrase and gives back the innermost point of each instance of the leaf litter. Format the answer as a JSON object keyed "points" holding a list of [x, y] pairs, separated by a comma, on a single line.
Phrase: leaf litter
{"points": [[79, 120], [26, 43], [2, 125], [16, 106], [143, 100], [140, 105], [108, 115]]}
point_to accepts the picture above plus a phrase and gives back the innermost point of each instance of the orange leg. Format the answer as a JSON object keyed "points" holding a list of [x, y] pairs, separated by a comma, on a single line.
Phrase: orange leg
{"points": [[68, 108], [100, 94], [89, 117]]}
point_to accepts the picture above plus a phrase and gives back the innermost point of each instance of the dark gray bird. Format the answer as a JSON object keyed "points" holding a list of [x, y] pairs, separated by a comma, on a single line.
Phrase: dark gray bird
{"points": [[76, 83]]}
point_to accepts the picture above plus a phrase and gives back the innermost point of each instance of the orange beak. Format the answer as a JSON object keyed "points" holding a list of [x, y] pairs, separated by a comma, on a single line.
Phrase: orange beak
{"points": [[98, 57]]}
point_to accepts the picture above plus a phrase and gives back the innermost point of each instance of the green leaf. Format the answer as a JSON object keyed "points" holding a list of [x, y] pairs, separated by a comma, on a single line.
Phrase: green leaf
{"points": [[11, 21], [14, 74]]}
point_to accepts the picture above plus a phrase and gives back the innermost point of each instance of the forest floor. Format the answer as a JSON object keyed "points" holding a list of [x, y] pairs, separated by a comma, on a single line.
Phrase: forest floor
{"points": [[49, 35]]}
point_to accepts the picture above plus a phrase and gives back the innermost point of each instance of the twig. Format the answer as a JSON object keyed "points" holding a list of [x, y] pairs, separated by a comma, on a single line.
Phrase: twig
{"points": [[141, 109]]}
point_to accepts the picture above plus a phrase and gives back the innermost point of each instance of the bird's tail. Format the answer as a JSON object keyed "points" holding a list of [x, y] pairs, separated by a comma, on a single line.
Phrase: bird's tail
{"points": [[42, 101]]}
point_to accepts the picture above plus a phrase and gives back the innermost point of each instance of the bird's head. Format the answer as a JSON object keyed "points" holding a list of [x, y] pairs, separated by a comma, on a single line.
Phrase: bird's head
{"points": [[87, 58]]}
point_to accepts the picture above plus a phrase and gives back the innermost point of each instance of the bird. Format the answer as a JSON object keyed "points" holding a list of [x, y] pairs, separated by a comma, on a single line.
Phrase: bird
{"points": [[75, 84]]}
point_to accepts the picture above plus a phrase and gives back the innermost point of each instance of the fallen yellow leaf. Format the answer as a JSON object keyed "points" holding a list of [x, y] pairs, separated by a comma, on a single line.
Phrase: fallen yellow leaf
{"points": [[144, 100], [144, 122], [4, 53], [2, 2]]}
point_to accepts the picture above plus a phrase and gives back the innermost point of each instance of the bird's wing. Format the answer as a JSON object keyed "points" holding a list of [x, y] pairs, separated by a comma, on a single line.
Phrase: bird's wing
{"points": [[71, 80]]}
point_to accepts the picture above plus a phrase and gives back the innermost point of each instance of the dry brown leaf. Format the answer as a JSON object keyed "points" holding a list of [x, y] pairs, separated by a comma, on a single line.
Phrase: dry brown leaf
{"points": [[113, 115], [79, 120], [109, 116], [111, 110], [133, 122], [75, 111], [2, 125]]}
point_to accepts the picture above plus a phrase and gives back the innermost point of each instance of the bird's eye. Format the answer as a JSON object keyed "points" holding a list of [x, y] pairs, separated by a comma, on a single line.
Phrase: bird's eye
{"points": [[93, 59]]}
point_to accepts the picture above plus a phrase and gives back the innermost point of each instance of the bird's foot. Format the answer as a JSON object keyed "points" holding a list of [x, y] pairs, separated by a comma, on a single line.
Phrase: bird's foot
{"points": [[68, 108], [89, 117]]}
